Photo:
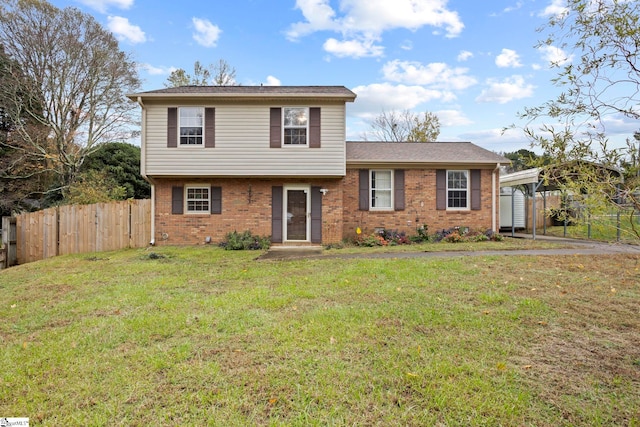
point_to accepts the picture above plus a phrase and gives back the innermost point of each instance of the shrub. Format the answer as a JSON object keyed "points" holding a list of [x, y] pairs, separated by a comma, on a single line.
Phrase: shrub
{"points": [[235, 241], [453, 237], [422, 234]]}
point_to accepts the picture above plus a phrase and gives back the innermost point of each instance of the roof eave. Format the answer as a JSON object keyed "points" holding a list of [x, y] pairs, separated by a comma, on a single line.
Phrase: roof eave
{"points": [[246, 96], [415, 164]]}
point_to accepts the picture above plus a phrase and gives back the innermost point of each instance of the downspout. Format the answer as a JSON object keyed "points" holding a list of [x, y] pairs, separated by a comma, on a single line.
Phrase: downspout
{"points": [[494, 223], [143, 172]]}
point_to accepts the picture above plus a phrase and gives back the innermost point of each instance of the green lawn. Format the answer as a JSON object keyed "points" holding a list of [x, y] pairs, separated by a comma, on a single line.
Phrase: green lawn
{"points": [[604, 228], [202, 336]]}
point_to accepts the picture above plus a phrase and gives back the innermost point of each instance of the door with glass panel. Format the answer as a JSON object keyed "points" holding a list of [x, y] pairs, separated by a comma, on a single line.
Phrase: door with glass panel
{"points": [[297, 213]]}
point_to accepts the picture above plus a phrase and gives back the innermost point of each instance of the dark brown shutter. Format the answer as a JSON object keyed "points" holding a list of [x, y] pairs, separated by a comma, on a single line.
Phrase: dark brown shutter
{"points": [[177, 200], [216, 200], [275, 133], [476, 200], [276, 214], [398, 190], [316, 215], [209, 127], [363, 186], [172, 127], [441, 189], [314, 127]]}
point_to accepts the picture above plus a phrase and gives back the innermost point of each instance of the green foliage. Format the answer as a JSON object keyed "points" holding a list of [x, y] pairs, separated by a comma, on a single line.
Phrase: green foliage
{"points": [[120, 162], [94, 187], [524, 159], [598, 86], [235, 241], [422, 234], [426, 128], [452, 235]]}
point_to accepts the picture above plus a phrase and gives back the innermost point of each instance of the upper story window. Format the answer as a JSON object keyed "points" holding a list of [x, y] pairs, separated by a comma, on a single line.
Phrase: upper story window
{"points": [[296, 121], [381, 190], [191, 121], [197, 199], [457, 189]]}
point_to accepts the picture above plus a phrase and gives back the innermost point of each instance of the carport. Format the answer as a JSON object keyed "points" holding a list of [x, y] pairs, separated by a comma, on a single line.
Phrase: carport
{"points": [[543, 180]]}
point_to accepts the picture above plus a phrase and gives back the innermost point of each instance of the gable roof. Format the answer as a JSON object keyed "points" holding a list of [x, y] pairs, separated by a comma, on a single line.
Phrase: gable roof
{"points": [[420, 154], [248, 92]]}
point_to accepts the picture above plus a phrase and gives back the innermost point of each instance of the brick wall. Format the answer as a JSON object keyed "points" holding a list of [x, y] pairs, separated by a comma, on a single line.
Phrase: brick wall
{"points": [[246, 205], [420, 206]]}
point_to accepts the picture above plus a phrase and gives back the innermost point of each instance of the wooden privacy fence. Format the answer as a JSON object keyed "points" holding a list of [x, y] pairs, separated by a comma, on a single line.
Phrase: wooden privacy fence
{"points": [[76, 229]]}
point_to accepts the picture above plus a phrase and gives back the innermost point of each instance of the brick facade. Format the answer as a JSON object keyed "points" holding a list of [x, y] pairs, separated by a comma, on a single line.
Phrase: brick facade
{"points": [[420, 206], [246, 205]]}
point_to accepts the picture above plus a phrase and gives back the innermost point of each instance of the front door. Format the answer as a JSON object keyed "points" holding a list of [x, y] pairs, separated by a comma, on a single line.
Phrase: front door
{"points": [[296, 213]]}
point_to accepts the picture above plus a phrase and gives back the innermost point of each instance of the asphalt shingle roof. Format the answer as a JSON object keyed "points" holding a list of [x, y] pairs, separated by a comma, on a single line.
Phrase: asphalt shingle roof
{"points": [[420, 152], [339, 92]]}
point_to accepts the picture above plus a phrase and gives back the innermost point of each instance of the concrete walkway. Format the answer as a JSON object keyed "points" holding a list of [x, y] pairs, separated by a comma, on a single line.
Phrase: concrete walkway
{"points": [[578, 247]]}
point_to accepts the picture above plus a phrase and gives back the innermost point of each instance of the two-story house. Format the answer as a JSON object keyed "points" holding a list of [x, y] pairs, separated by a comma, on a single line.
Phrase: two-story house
{"points": [[274, 160]]}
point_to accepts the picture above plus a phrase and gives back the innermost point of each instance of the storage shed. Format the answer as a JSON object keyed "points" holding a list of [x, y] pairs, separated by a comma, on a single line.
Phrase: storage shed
{"points": [[512, 208]]}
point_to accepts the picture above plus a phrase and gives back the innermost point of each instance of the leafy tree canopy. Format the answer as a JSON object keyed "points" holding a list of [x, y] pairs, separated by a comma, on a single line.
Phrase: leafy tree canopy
{"points": [[121, 163]]}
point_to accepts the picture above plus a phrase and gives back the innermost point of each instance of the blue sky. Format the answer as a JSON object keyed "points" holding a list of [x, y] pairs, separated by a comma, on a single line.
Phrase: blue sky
{"points": [[473, 63]]}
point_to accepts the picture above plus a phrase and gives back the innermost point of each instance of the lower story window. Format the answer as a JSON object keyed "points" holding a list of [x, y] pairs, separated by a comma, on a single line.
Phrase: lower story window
{"points": [[381, 190], [198, 199], [457, 189]]}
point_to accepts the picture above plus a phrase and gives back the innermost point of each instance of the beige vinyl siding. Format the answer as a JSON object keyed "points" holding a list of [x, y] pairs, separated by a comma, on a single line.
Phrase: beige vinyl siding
{"points": [[242, 145]]}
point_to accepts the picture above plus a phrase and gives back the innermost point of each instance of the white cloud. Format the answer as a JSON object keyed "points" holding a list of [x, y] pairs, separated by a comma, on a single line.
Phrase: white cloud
{"points": [[366, 20], [554, 55], [156, 71], [464, 55], [124, 30], [450, 118], [508, 58], [102, 5], [497, 139], [509, 9], [375, 98], [206, 33], [436, 74], [407, 45], [506, 90], [273, 81], [555, 8], [352, 48]]}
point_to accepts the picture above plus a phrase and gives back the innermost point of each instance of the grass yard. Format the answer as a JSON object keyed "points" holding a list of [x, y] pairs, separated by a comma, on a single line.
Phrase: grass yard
{"points": [[603, 228], [202, 336]]}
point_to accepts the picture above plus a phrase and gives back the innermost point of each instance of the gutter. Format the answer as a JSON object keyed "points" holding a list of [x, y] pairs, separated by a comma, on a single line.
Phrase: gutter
{"points": [[143, 171]]}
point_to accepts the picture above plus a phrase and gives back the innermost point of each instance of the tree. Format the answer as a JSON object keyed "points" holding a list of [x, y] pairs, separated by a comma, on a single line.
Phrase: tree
{"points": [[219, 74], [23, 177], [602, 82], [94, 186], [120, 162], [71, 80], [520, 160], [405, 126]]}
